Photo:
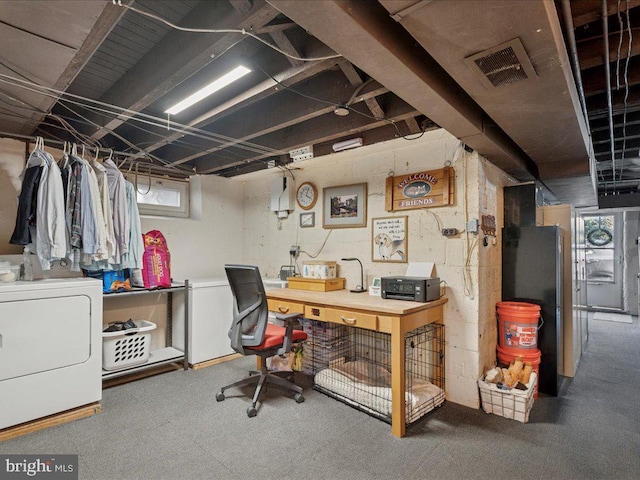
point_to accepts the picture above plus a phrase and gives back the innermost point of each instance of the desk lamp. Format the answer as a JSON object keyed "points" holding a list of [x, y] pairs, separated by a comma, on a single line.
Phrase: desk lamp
{"points": [[360, 288]]}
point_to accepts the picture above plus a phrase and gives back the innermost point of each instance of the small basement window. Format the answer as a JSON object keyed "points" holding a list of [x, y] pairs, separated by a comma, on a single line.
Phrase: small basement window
{"points": [[161, 196]]}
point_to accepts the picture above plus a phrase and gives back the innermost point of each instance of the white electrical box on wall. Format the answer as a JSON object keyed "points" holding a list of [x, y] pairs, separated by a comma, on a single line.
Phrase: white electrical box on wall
{"points": [[283, 194]]}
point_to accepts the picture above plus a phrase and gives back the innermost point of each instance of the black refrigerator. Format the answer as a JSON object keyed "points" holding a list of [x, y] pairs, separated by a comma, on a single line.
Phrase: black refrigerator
{"points": [[532, 272]]}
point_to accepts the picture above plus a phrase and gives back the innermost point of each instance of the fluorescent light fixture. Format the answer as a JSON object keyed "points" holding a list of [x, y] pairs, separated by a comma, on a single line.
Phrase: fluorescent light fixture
{"points": [[213, 87], [351, 143]]}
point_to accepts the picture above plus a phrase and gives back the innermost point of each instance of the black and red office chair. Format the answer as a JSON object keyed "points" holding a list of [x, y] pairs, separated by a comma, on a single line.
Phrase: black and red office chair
{"points": [[252, 334]]}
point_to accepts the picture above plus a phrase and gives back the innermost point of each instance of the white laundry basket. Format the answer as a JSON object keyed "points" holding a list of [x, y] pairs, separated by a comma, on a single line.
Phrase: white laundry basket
{"points": [[127, 348]]}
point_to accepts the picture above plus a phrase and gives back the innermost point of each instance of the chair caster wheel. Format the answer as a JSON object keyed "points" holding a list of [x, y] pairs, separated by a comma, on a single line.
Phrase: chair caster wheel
{"points": [[298, 398], [251, 412], [219, 396]]}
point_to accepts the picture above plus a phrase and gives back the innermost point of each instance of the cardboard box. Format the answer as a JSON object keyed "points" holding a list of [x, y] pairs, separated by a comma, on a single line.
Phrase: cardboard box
{"points": [[319, 269], [316, 284]]}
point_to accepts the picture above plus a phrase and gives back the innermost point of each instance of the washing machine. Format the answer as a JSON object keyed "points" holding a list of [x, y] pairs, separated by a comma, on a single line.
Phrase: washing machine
{"points": [[50, 347]]}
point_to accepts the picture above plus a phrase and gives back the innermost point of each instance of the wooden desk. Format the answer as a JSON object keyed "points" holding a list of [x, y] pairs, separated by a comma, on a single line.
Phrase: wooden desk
{"points": [[362, 310]]}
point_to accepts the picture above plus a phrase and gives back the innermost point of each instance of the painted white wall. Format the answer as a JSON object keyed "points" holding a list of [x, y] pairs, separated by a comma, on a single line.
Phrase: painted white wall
{"points": [[470, 311], [212, 235]]}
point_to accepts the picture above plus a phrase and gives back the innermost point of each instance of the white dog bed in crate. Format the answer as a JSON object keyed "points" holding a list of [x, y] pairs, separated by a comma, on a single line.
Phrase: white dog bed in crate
{"points": [[127, 348]]}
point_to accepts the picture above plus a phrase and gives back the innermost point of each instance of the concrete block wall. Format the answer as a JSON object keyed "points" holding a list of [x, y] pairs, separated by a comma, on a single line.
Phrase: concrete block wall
{"points": [[491, 201], [267, 239]]}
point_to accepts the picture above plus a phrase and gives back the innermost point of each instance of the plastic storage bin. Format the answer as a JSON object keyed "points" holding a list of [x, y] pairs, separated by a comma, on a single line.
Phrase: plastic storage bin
{"points": [[9, 273], [126, 348], [513, 404]]}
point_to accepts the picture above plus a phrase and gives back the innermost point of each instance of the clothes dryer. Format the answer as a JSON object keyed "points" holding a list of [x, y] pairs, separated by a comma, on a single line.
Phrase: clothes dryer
{"points": [[50, 347]]}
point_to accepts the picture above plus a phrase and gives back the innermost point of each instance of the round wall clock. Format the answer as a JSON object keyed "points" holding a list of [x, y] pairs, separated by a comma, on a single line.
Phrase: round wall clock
{"points": [[307, 195]]}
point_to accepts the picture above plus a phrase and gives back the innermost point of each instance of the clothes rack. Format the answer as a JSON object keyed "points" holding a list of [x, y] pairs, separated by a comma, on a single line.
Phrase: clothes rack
{"points": [[131, 157]]}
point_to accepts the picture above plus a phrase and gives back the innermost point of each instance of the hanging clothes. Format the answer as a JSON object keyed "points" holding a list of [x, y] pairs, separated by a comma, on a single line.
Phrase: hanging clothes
{"points": [[94, 235], [121, 220], [27, 206], [51, 237], [133, 258], [105, 201], [74, 214], [40, 220], [65, 170]]}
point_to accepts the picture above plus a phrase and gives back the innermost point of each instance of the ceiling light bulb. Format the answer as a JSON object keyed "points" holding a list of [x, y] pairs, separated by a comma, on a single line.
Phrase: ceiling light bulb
{"points": [[213, 87]]}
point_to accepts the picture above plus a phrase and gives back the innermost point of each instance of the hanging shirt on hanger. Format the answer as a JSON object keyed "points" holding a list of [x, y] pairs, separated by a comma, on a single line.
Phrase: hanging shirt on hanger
{"points": [[94, 235], [105, 201], [65, 170], [27, 206], [51, 237], [118, 198], [74, 214], [133, 259]]}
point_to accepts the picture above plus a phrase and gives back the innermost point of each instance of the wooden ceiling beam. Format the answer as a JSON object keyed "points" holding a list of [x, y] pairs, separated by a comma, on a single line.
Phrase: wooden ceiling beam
{"points": [[354, 77], [108, 19], [413, 126], [594, 82], [591, 54], [177, 57], [278, 27], [597, 104], [587, 11], [283, 42], [278, 112], [321, 129], [262, 90], [278, 36]]}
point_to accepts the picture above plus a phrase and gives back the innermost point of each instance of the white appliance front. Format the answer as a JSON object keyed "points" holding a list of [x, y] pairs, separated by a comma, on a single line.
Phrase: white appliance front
{"points": [[210, 316], [50, 347]]}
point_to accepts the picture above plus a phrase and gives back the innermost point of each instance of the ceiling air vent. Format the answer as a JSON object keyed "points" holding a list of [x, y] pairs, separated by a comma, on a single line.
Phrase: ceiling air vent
{"points": [[502, 65]]}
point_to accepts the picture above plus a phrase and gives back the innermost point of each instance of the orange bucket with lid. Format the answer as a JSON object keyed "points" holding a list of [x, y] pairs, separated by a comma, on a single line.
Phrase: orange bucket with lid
{"points": [[518, 325]]}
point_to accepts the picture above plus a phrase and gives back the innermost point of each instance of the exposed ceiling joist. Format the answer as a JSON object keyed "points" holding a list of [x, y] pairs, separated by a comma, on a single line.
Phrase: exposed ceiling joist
{"points": [[263, 90], [588, 11], [285, 111], [177, 57], [320, 129], [366, 35]]}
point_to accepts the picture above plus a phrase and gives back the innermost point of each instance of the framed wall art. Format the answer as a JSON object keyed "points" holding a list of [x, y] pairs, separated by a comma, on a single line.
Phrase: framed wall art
{"points": [[389, 239], [344, 206], [307, 219]]}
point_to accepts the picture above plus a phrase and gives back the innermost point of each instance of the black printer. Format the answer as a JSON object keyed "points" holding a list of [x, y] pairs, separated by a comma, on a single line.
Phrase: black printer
{"points": [[415, 289]]}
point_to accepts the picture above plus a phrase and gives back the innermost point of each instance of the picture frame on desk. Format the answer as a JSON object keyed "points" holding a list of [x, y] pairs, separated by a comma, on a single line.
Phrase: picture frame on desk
{"points": [[344, 206]]}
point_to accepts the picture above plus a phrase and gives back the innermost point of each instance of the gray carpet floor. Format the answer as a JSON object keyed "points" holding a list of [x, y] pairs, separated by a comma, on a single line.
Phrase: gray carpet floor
{"points": [[170, 427]]}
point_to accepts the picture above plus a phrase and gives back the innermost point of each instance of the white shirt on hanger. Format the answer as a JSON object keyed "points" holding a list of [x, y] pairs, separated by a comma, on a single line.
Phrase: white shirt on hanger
{"points": [[50, 235], [121, 221], [105, 201]]}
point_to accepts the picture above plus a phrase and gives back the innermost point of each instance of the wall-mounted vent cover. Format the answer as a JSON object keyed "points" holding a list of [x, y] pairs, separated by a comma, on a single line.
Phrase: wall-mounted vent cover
{"points": [[502, 65]]}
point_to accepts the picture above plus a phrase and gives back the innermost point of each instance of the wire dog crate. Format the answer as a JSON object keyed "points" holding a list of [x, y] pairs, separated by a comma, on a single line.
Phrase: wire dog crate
{"points": [[355, 367]]}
